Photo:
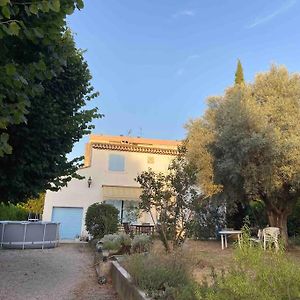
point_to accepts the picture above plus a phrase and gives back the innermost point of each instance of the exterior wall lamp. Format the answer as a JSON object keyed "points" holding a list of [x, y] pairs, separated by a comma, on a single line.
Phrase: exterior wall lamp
{"points": [[89, 181]]}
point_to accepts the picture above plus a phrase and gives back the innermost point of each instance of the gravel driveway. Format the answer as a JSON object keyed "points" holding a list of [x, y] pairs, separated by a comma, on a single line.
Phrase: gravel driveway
{"points": [[66, 273]]}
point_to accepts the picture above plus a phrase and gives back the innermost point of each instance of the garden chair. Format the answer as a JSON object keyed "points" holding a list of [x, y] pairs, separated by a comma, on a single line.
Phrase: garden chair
{"points": [[271, 236], [146, 229], [127, 228], [258, 239]]}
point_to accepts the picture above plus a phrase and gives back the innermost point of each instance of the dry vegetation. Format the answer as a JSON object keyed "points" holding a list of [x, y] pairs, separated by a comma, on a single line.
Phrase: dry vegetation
{"points": [[202, 256]]}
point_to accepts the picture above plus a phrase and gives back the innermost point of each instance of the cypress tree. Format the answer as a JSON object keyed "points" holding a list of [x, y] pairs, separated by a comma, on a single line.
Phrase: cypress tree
{"points": [[239, 74]]}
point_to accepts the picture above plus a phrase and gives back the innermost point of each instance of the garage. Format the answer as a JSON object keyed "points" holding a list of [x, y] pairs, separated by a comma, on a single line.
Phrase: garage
{"points": [[70, 219]]}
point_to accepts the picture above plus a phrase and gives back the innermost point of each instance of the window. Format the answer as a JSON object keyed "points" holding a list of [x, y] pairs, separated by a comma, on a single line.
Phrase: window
{"points": [[128, 210], [116, 163]]}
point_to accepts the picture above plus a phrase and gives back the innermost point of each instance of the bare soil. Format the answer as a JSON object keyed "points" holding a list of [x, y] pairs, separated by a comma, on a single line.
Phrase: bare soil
{"points": [[64, 273]]}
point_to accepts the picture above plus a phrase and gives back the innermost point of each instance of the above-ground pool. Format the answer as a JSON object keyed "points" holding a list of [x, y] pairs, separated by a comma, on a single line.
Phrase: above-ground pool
{"points": [[16, 234]]}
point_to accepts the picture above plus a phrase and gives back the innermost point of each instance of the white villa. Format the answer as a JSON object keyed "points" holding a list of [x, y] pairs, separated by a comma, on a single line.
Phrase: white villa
{"points": [[110, 166]]}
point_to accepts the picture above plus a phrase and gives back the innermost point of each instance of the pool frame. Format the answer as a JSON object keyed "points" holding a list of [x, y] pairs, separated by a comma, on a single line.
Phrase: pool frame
{"points": [[29, 235]]}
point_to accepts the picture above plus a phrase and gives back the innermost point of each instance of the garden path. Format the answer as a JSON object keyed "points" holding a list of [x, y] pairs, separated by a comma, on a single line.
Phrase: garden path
{"points": [[63, 273]]}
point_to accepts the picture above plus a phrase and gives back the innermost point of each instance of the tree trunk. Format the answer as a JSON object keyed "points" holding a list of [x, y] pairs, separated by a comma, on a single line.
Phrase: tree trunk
{"points": [[279, 220], [163, 237]]}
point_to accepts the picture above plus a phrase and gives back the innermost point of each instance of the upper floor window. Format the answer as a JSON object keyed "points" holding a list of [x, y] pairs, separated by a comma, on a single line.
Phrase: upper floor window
{"points": [[116, 162]]}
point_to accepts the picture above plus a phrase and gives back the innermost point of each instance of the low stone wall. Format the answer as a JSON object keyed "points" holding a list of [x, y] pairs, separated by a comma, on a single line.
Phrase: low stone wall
{"points": [[123, 284]]}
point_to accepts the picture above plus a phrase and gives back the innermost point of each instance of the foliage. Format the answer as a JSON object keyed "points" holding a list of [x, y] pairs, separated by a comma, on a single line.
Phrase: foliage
{"points": [[209, 217], [55, 121], [257, 274], [101, 219], [11, 212], [294, 220], [172, 196], [161, 276], [247, 145], [141, 243], [119, 242], [34, 205], [255, 210], [239, 74], [234, 218], [133, 213], [36, 27]]}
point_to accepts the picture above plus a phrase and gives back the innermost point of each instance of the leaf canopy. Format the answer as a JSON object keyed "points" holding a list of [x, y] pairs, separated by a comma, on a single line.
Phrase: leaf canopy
{"points": [[247, 145]]}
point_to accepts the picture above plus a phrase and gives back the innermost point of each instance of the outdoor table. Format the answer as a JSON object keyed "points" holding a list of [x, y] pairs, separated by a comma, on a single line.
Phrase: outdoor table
{"points": [[143, 228], [224, 234]]}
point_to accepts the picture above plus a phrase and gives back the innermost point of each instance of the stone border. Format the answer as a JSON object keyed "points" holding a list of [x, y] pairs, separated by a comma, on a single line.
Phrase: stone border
{"points": [[123, 284]]}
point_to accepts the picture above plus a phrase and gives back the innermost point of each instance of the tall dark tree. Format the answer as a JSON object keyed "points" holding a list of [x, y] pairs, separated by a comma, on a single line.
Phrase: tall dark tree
{"points": [[55, 121], [30, 53], [239, 74]]}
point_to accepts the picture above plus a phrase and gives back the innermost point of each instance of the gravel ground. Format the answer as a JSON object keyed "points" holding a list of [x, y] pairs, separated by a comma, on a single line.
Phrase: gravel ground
{"points": [[66, 273]]}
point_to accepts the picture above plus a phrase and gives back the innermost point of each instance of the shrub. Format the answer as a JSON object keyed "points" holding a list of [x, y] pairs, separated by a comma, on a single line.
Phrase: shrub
{"points": [[10, 212], [101, 219], [118, 242], [294, 221], [161, 276], [141, 243], [255, 210], [34, 205], [110, 242], [208, 218]]}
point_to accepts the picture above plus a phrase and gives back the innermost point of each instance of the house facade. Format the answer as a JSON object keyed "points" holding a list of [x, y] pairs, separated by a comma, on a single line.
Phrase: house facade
{"points": [[110, 166]]}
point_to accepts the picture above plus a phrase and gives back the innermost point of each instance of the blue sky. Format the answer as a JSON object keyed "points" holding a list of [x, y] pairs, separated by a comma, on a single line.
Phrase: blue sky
{"points": [[155, 62]]}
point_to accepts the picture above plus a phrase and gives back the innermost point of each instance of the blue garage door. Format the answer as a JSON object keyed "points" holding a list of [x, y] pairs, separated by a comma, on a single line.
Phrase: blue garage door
{"points": [[70, 219]]}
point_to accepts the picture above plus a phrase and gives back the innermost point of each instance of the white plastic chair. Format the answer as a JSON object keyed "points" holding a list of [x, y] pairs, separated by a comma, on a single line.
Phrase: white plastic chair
{"points": [[271, 235], [258, 239]]}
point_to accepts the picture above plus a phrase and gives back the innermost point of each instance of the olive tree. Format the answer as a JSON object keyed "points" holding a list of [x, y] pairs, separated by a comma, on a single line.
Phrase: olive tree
{"points": [[247, 145]]}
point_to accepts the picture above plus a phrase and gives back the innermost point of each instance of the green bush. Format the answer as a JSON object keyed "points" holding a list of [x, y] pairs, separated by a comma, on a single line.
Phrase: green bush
{"points": [[101, 219], [208, 218], [257, 274], [10, 212], [161, 276], [255, 210], [294, 221], [141, 243], [116, 242]]}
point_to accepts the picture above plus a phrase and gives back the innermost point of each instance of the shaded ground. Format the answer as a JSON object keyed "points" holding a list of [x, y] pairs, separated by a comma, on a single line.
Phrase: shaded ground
{"points": [[66, 273]]}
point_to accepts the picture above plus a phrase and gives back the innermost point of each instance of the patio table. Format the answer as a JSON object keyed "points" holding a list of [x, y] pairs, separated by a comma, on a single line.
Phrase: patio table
{"points": [[224, 234]]}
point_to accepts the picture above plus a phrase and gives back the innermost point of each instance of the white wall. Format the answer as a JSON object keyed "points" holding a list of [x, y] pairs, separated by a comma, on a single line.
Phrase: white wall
{"points": [[77, 193]]}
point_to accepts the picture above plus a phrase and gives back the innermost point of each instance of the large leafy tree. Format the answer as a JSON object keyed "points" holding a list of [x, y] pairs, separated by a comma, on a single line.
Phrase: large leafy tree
{"points": [[56, 120], [31, 53], [247, 145]]}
